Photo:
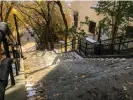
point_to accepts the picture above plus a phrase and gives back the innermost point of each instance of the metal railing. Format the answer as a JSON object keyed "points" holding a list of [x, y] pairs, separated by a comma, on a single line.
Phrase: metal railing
{"points": [[72, 45], [122, 45], [11, 55]]}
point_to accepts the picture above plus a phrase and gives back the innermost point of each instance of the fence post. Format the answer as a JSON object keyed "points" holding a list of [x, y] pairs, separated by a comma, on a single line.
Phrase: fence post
{"points": [[100, 47], [99, 34], [79, 40], [61, 48], [86, 48], [112, 47], [11, 75], [14, 56], [72, 44], [6, 48], [119, 46]]}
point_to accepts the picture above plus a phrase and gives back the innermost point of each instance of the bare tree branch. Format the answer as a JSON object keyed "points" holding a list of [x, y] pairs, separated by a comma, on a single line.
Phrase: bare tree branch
{"points": [[28, 16], [34, 10], [8, 12], [42, 11]]}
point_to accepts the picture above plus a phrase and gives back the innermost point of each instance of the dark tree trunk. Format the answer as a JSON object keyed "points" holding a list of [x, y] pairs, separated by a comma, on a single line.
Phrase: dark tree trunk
{"points": [[65, 22], [99, 33], [50, 39], [115, 25], [1, 9]]}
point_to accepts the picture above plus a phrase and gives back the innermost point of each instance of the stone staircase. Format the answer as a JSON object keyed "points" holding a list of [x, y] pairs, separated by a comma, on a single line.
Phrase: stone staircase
{"points": [[77, 78], [68, 56]]}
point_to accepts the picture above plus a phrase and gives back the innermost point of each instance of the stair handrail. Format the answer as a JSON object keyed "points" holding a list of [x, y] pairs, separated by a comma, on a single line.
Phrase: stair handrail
{"points": [[106, 43]]}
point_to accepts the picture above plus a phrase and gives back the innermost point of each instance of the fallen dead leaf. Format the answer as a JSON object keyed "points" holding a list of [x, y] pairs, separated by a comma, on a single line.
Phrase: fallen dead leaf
{"points": [[131, 83], [124, 88], [83, 76]]}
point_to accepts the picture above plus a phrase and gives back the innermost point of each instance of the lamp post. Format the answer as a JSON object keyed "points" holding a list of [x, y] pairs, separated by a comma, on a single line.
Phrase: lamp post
{"points": [[16, 26]]}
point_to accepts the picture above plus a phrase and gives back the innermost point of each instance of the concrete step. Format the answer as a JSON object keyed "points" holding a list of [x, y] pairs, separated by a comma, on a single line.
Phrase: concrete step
{"points": [[70, 78]]}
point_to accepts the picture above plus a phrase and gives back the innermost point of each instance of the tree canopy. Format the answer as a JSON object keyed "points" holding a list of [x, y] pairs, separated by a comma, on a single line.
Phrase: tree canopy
{"points": [[117, 15], [47, 18]]}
